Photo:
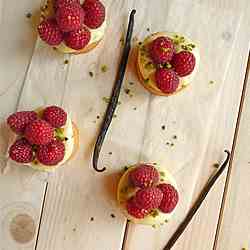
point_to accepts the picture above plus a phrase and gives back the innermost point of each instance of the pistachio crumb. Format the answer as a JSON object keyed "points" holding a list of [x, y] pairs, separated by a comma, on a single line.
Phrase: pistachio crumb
{"points": [[114, 116], [161, 179], [110, 153], [146, 80], [104, 68], [91, 74], [211, 82], [166, 221], [28, 15], [66, 61], [216, 165], [162, 174], [154, 226], [135, 108], [127, 91], [112, 215], [154, 213], [122, 41], [74, 229], [172, 144], [148, 29], [155, 163], [35, 162], [131, 83], [175, 137], [106, 99]]}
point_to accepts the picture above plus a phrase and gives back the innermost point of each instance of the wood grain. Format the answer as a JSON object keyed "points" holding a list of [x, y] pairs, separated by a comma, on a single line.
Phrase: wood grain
{"points": [[21, 194], [79, 202], [220, 137], [233, 230]]}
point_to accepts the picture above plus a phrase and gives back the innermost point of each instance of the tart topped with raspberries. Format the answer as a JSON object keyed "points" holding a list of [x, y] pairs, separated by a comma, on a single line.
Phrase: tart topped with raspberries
{"points": [[147, 194], [43, 139], [167, 62], [72, 27]]}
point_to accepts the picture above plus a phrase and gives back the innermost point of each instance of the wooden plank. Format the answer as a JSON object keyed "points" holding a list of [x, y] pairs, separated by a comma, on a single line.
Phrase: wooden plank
{"points": [[233, 229], [201, 232], [21, 194]]}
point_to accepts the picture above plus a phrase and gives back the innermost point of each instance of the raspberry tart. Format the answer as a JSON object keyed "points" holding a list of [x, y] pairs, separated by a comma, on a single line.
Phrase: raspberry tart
{"points": [[147, 194], [167, 62], [72, 26], [43, 139]]}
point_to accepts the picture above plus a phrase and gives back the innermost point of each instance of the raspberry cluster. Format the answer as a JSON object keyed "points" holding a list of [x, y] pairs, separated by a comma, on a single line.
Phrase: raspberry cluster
{"points": [[170, 65], [150, 194], [37, 137], [72, 22]]}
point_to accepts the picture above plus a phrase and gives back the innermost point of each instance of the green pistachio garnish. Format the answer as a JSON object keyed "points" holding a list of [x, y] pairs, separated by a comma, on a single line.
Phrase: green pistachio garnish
{"points": [[104, 68], [154, 213]]}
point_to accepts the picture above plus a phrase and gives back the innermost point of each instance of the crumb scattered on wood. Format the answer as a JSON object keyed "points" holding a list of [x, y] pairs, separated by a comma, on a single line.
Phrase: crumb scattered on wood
{"points": [[29, 15], [104, 68]]}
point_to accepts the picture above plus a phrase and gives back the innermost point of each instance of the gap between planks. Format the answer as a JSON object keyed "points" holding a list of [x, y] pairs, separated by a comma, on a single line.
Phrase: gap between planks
{"points": [[232, 153], [41, 215]]}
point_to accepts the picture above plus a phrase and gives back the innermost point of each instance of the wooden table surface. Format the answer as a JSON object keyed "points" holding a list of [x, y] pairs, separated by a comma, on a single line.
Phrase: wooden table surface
{"points": [[53, 212]]}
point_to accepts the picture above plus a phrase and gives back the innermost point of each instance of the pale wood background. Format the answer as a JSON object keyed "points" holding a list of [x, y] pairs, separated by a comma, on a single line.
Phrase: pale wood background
{"points": [[52, 212]]}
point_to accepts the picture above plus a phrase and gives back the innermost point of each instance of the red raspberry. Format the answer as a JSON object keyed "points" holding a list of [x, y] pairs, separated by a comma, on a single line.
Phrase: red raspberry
{"points": [[49, 32], [135, 211], [77, 39], [55, 116], [148, 198], [70, 17], [52, 153], [94, 13], [167, 80], [161, 50], [170, 198], [19, 120], [183, 63], [144, 176], [39, 132], [62, 3], [21, 151]]}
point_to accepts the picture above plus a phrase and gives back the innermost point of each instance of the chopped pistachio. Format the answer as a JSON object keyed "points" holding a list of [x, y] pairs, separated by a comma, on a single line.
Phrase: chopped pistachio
{"points": [[91, 74], [172, 144], [167, 143], [114, 116], [149, 65], [216, 165], [122, 40], [112, 215], [162, 174], [35, 162], [110, 153], [161, 179], [166, 221], [175, 137], [146, 80], [154, 213], [28, 15], [154, 226], [131, 83], [66, 61], [127, 91], [59, 133], [106, 99], [211, 82], [104, 68], [148, 29], [134, 108], [155, 163]]}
